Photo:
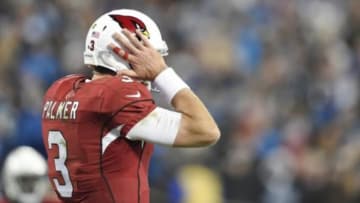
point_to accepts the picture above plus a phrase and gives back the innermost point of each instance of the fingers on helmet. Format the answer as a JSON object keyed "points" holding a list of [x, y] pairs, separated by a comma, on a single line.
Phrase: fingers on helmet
{"points": [[120, 52], [124, 43], [133, 39]]}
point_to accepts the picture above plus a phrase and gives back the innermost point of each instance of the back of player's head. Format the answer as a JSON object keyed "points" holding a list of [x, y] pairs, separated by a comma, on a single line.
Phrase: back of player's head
{"points": [[101, 31], [24, 176]]}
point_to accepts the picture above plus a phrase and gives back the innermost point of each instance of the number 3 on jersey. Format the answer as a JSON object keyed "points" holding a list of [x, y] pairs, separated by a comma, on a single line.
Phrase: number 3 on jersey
{"points": [[56, 138]]}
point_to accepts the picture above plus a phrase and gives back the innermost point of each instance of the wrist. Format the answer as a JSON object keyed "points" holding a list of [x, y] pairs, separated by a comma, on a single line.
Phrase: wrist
{"points": [[169, 83], [161, 69]]}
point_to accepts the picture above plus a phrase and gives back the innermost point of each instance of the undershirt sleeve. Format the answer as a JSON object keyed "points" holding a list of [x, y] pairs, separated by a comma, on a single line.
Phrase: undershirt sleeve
{"points": [[160, 127]]}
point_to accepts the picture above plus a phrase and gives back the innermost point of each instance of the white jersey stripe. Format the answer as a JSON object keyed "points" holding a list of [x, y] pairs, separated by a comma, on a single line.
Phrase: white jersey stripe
{"points": [[110, 137]]}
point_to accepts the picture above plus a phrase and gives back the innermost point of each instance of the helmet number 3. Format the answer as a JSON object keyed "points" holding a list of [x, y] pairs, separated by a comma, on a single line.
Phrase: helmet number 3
{"points": [[91, 45], [56, 138]]}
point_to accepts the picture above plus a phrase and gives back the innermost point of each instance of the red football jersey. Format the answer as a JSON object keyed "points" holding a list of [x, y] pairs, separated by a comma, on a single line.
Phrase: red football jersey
{"points": [[84, 126]]}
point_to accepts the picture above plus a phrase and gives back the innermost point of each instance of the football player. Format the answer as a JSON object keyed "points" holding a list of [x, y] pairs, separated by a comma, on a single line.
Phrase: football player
{"points": [[24, 177], [99, 132]]}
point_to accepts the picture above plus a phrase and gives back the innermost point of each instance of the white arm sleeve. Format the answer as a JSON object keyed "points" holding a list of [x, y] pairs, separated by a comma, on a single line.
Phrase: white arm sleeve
{"points": [[159, 127]]}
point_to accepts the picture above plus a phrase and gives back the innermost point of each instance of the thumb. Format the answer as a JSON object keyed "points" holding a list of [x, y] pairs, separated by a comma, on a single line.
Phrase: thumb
{"points": [[127, 72]]}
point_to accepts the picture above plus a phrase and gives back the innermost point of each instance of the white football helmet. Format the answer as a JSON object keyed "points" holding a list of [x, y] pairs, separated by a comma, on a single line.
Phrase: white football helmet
{"points": [[100, 36], [25, 176]]}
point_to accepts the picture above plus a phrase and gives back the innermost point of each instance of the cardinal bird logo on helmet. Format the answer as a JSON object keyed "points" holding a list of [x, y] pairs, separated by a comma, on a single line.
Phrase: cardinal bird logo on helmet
{"points": [[131, 23]]}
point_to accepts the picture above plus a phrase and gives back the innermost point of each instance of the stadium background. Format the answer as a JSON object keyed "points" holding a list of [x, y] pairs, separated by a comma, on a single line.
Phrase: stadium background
{"points": [[281, 77]]}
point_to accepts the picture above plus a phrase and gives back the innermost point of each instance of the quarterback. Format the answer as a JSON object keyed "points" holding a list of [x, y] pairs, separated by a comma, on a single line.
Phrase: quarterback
{"points": [[99, 132]]}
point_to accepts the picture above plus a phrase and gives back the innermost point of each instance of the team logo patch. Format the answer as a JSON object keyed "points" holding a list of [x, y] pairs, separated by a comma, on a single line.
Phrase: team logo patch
{"points": [[131, 23]]}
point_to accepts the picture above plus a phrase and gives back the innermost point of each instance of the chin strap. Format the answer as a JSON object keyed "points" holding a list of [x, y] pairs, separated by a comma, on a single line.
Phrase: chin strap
{"points": [[154, 89], [150, 87]]}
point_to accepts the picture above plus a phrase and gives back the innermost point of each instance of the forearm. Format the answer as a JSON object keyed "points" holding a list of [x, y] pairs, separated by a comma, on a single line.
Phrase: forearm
{"points": [[198, 128]]}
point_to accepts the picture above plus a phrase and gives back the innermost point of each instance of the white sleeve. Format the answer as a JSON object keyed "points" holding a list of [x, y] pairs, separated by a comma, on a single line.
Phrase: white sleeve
{"points": [[160, 127]]}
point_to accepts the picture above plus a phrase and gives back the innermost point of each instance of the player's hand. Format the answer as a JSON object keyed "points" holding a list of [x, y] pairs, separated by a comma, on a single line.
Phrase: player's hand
{"points": [[146, 62]]}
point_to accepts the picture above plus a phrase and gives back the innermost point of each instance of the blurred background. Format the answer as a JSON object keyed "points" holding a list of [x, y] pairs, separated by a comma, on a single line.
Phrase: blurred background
{"points": [[281, 78]]}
